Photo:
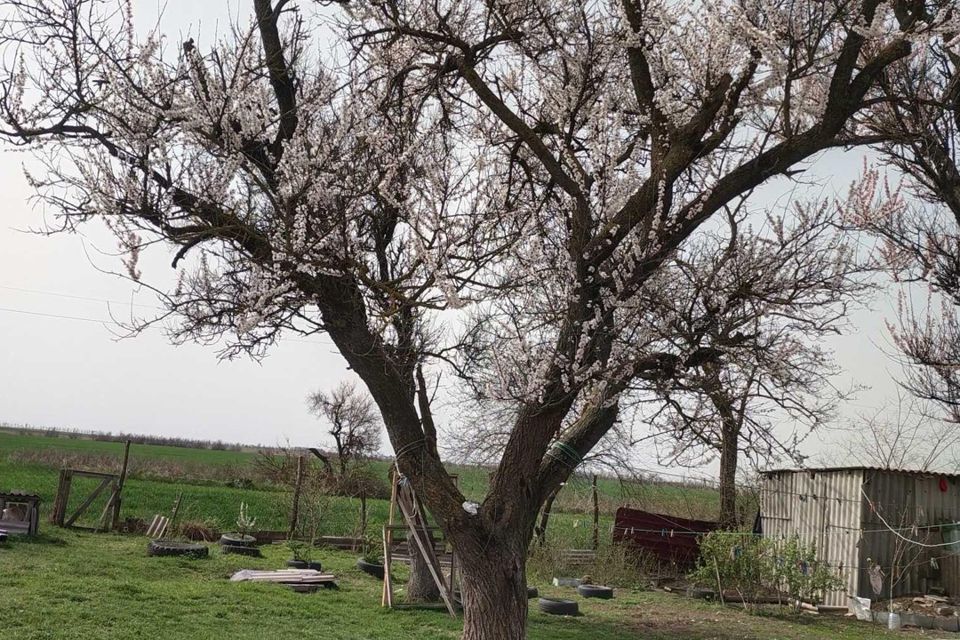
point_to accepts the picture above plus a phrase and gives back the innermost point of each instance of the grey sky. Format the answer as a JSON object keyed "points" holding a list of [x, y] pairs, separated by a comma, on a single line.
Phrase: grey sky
{"points": [[74, 373]]}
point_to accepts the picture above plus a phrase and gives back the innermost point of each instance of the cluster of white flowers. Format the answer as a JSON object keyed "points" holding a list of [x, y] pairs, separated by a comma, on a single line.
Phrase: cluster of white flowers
{"points": [[533, 161]]}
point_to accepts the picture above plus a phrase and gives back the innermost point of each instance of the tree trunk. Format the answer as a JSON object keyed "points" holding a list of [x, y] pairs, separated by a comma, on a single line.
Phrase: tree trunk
{"points": [[494, 589], [728, 477], [420, 586], [541, 530]]}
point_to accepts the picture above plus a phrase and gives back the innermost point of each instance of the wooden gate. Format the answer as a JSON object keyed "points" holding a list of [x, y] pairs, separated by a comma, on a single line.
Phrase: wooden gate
{"points": [[108, 481]]}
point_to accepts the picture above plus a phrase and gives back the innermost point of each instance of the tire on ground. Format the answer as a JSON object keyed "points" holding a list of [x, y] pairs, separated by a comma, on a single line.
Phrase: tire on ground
{"points": [[240, 550], [237, 540], [532, 592], [176, 548], [375, 570], [559, 606], [595, 591]]}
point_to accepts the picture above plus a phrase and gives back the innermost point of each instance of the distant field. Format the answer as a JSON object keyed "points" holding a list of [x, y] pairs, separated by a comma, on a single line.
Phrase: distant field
{"points": [[12, 440], [203, 476]]}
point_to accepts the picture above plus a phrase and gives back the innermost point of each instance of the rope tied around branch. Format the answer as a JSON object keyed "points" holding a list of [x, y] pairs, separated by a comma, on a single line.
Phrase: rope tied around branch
{"points": [[565, 455]]}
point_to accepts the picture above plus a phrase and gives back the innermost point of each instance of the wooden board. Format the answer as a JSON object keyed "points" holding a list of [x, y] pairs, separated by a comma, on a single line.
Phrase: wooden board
{"points": [[283, 576]]}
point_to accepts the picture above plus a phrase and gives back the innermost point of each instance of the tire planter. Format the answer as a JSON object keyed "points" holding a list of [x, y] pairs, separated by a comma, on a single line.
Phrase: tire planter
{"points": [[595, 591], [559, 606], [242, 551], [303, 564], [237, 540], [370, 568], [176, 548]]}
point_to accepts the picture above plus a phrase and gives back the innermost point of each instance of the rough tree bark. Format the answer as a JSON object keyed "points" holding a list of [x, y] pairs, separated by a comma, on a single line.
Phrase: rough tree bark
{"points": [[494, 584], [730, 421], [728, 477], [541, 530], [420, 585]]}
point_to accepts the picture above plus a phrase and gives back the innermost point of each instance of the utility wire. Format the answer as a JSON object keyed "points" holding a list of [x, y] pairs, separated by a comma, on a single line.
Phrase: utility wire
{"points": [[105, 322], [73, 297], [52, 315]]}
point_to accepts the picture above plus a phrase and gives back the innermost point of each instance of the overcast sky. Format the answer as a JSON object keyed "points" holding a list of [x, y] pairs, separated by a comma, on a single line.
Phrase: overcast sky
{"points": [[72, 372]]}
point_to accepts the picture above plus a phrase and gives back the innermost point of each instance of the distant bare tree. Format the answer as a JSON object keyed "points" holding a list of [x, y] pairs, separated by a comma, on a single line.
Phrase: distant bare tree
{"points": [[900, 435], [753, 307], [353, 422]]}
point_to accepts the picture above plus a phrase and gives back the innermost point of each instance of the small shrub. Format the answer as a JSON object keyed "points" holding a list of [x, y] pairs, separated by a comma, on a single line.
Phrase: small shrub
{"points": [[754, 567], [804, 577], [198, 530], [245, 523], [241, 483], [615, 565]]}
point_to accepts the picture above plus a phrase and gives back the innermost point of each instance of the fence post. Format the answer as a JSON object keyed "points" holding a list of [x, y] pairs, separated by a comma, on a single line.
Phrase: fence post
{"points": [[363, 516], [596, 515], [295, 511], [118, 496]]}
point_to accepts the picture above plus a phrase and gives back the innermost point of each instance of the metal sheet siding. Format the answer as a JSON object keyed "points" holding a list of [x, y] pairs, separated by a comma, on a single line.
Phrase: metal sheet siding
{"points": [[823, 509], [904, 501], [669, 538], [840, 547]]}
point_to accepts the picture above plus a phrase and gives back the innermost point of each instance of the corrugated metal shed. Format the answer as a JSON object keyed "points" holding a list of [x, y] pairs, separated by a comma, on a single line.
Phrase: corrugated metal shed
{"points": [[850, 514]]}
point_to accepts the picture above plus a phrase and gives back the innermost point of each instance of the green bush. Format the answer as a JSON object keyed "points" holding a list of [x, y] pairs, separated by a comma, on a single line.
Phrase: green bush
{"points": [[755, 567], [614, 565]]}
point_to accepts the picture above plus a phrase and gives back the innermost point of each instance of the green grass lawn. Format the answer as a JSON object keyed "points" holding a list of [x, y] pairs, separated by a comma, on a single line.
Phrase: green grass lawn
{"points": [[71, 585]]}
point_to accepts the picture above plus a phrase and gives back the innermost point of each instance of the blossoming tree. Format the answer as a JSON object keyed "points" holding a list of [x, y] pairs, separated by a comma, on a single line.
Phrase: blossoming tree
{"points": [[440, 182]]}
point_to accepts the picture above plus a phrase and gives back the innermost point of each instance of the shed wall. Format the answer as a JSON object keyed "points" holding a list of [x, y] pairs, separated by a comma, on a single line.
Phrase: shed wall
{"points": [[824, 510], [906, 501]]}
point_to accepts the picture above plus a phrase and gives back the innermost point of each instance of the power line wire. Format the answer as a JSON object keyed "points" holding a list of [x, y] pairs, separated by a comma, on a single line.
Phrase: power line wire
{"points": [[52, 315], [75, 297], [111, 321]]}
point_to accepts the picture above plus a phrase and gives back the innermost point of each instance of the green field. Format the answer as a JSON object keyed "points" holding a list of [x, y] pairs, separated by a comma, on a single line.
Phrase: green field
{"points": [[206, 480], [68, 585]]}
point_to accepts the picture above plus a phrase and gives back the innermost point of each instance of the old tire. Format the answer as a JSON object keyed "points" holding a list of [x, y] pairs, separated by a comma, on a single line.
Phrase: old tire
{"points": [[371, 569], [532, 592], [559, 606], [176, 548], [304, 564], [237, 540], [241, 551], [595, 591]]}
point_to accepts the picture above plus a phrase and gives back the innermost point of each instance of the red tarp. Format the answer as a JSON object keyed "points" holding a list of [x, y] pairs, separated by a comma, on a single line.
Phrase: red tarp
{"points": [[669, 538]]}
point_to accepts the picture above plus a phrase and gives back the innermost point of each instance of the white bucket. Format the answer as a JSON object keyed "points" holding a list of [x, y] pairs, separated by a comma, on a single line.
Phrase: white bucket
{"points": [[893, 622]]}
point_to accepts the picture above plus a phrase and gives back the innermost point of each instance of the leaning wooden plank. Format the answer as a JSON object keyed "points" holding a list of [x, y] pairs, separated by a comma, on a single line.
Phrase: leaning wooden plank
{"points": [[387, 594], [162, 527], [281, 576], [414, 521], [153, 526]]}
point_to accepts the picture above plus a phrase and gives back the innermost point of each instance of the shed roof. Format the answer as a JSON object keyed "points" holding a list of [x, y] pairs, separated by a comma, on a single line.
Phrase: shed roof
{"points": [[912, 472]]}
